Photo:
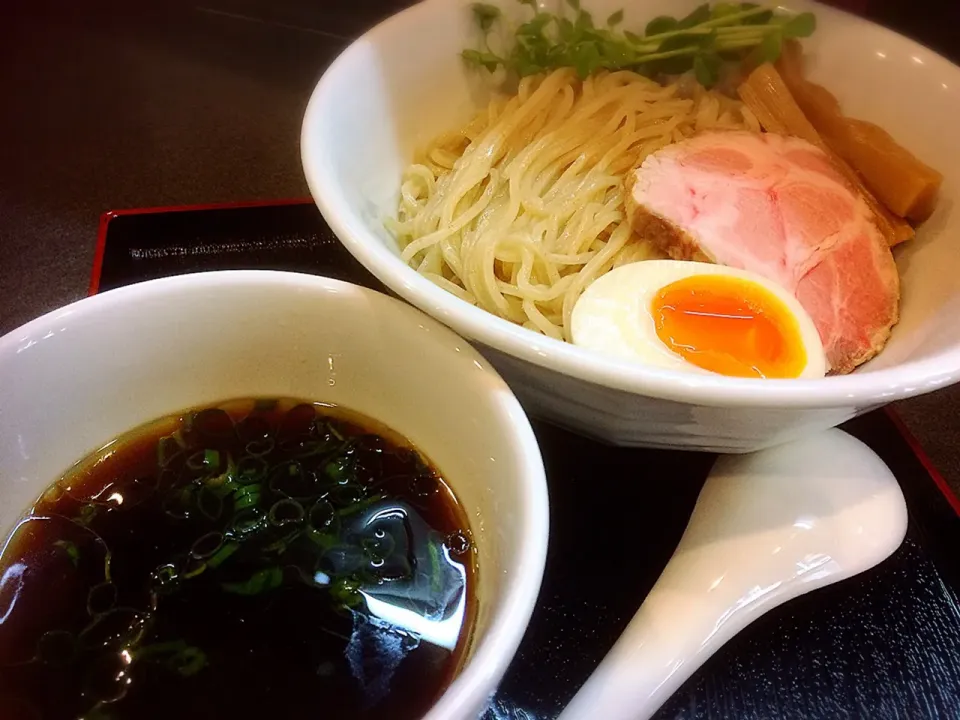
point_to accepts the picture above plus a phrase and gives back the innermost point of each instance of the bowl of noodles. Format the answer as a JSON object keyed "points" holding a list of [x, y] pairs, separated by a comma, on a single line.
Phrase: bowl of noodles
{"points": [[521, 171]]}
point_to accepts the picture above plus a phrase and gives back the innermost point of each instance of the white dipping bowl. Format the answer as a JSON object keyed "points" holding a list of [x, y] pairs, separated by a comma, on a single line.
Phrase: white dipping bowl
{"points": [[403, 83], [78, 377]]}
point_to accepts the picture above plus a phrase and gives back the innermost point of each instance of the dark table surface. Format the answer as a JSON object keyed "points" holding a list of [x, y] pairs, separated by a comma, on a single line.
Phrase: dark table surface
{"points": [[108, 104]]}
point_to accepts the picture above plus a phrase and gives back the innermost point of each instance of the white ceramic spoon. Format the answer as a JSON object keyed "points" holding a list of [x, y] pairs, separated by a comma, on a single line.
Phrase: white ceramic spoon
{"points": [[767, 527]]}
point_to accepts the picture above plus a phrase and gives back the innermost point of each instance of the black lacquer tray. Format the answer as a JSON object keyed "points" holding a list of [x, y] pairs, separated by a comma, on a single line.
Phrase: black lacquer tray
{"points": [[885, 644]]}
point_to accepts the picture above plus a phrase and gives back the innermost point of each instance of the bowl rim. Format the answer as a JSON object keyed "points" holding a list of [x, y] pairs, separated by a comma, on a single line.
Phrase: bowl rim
{"points": [[494, 649], [865, 389]]}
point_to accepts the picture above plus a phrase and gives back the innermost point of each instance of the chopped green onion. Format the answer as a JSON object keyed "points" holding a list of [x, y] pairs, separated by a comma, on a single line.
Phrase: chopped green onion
{"points": [[248, 521], [195, 568], [70, 549], [362, 505], [260, 582], [197, 461], [322, 515], [260, 447], [225, 551], [87, 513], [164, 579], [188, 662], [341, 470], [284, 512], [206, 545], [101, 598], [251, 469], [280, 546], [246, 496], [167, 449], [210, 503], [346, 590]]}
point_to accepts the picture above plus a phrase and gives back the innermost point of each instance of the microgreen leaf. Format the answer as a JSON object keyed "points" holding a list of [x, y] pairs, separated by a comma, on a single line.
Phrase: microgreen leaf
{"points": [[584, 20], [699, 15], [482, 59], [706, 67], [800, 26], [715, 34], [723, 9], [534, 27], [679, 54], [769, 47], [673, 43], [566, 30], [760, 17], [485, 15], [525, 67], [586, 59], [617, 55], [660, 25]]}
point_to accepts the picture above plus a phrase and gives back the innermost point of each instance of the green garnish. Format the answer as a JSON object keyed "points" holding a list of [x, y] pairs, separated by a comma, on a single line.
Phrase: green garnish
{"points": [[341, 470], [188, 661], [700, 42], [259, 505], [225, 551], [346, 591], [185, 660], [261, 581], [70, 549], [246, 496], [436, 582], [87, 513], [100, 712]]}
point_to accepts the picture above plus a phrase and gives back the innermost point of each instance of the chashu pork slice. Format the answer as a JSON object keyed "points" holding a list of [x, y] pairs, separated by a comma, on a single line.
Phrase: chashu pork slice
{"points": [[774, 205]]}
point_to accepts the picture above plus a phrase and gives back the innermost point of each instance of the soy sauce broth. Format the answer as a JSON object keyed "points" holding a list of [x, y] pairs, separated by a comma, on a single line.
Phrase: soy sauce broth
{"points": [[259, 559]]}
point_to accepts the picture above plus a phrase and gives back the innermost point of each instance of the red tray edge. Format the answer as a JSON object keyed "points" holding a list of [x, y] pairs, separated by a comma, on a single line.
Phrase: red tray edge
{"points": [[109, 215]]}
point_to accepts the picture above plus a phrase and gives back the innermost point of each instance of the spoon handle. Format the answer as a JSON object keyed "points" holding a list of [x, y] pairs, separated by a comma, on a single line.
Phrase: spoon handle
{"points": [[766, 528], [680, 624], [645, 666]]}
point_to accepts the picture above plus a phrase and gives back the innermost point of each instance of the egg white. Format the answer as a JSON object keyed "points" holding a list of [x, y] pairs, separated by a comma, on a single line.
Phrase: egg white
{"points": [[613, 315]]}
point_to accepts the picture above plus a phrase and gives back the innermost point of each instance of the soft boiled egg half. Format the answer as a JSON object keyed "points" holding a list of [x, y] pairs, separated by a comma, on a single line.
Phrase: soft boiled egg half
{"points": [[693, 316]]}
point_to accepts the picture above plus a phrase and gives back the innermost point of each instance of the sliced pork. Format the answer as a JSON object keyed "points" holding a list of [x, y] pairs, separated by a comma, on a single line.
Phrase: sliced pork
{"points": [[776, 206]]}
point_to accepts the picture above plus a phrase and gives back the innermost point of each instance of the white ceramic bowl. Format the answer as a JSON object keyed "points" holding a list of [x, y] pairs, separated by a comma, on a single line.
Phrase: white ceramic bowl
{"points": [[78, 377], [403, 82]]}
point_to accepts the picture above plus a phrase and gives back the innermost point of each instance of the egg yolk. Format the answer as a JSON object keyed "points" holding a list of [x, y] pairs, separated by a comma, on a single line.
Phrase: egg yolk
{"points": [[729, 326]]}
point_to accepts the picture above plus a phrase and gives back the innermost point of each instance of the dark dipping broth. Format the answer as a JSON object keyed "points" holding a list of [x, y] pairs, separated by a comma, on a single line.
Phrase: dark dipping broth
{"points": [[259, 559]]}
